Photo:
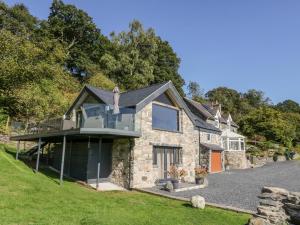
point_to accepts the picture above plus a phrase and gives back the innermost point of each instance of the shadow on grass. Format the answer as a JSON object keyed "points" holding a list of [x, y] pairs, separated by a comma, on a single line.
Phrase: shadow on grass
{"points": [[187, 205], [43, 167]]}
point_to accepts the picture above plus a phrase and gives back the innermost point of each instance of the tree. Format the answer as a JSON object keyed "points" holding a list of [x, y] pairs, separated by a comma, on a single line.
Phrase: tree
{"points": [[138, 58], [229, 98], [76, 30], [17, 19], [167, 66], [255, 98], [288, 106], [131, 64], [101, 81], [195, 92], [33, 76], [269, 123]]}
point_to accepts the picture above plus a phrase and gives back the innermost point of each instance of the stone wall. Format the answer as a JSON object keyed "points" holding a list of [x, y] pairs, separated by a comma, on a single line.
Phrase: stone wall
{"points": [[277, 207], [204, 157], [121, 162], [236, 159], [144, 173]]}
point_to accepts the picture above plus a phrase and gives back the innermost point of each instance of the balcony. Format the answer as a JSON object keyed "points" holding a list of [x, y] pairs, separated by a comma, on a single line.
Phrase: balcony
{"points": [[96, 119]]}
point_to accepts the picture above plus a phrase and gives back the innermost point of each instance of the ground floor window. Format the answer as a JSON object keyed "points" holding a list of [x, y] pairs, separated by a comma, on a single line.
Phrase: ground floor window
{"points": [[172, 154]]}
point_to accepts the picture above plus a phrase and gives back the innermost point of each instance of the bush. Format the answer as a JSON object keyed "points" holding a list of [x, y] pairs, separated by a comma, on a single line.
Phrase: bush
{"points": [[3, 121], [275, 157]]}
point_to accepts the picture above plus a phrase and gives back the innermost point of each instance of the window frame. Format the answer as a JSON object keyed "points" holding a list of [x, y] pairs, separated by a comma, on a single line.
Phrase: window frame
{"points": [[172, 108], [177, 154]]}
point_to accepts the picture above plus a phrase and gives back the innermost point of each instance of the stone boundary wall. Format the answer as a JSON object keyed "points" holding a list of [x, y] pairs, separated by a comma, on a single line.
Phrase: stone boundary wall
{"points": [[277, 206], [4, 138]]}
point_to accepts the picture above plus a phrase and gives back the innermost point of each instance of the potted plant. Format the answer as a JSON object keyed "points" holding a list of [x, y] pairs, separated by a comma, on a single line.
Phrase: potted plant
{"points": [[175, 175], [200, 174]]}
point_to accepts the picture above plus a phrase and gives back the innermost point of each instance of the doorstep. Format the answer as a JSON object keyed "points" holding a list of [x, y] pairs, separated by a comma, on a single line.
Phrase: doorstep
{"points": [[107, 186]]}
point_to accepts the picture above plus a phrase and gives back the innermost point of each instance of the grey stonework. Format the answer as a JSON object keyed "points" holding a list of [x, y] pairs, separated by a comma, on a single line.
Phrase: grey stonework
{"points": [[134, 168], [204, 157], [144, 173], [236, 159], [122, 162], [277, 206]]}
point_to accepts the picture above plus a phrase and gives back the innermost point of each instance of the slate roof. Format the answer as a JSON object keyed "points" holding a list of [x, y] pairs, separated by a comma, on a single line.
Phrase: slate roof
{"points": [[211, 146], [202, 124], [196, 106], [207, 111], [232, 122], [129, 98]]}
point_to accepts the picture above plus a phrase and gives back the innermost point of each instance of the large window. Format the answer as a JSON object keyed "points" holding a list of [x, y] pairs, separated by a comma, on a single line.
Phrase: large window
{"points": [[165, 118]]}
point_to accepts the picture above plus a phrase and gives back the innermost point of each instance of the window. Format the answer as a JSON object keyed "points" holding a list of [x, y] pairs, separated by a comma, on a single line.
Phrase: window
{"points": [[217, 123], [242, 145], [165, 118], [208, 136], [234, 144], [154, 156], [224, 143], [173, 155]]}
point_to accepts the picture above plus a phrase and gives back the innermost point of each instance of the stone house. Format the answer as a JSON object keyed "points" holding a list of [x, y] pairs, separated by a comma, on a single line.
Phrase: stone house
{"points": [[130, 138], [232, 142]]}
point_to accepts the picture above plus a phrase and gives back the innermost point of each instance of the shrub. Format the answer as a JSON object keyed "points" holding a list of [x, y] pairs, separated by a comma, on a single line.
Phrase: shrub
{"points": [[275, 157], [200, 172]]}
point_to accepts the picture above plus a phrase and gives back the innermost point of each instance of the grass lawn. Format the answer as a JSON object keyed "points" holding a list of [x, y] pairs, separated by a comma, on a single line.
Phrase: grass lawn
{"points": [[29, 198]]}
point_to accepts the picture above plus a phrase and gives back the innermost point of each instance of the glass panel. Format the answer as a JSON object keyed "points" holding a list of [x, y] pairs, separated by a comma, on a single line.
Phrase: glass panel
{"points": [[164, 118], [234, 144], [154, 155], [101, 116], [224, 142], [242, 145]]}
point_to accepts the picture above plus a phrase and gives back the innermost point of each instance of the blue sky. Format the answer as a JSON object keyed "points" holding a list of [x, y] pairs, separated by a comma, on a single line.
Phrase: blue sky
{"points": [[234, 43]]}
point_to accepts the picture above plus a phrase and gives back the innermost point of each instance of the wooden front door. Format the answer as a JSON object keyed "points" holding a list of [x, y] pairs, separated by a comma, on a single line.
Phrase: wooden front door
{"points": [[216, 161]]}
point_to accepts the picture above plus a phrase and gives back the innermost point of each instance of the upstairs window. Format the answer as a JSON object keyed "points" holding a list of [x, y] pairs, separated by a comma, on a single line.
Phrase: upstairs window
{"points": [[165, 118]]}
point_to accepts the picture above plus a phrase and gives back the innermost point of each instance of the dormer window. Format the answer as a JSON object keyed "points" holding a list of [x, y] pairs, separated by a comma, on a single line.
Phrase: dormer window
{"points": [[217, 123]]}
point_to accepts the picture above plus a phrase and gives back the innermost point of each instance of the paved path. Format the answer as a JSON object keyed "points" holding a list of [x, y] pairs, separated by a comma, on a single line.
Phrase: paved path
{"points": [[240, 188]]}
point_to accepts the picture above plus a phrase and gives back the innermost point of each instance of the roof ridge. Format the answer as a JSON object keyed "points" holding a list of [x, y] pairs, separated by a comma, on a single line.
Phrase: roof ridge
{"points": [[163, 83], [91, 86]]}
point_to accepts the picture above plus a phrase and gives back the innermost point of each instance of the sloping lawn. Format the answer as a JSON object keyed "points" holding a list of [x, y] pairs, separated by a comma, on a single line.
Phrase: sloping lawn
{"points": [[29, 198]]}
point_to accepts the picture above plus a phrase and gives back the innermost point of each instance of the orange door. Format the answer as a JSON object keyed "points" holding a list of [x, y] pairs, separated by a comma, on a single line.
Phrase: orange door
{"points": [[216, 161]]}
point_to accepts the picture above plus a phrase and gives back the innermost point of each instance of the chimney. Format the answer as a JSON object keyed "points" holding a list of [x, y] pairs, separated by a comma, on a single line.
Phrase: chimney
{"points": [[116, 92]]}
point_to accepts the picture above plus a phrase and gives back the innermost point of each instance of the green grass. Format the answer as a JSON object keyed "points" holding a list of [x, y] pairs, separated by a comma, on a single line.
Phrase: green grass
{"points": [[29, 198]]}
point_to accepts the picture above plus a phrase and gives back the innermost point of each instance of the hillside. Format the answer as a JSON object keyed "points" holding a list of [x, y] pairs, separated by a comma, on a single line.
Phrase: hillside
{"points": [[29, 198]]}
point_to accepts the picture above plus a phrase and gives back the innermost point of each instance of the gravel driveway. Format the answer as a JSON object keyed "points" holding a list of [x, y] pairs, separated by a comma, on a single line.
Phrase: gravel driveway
{"points": [[240, 188]]}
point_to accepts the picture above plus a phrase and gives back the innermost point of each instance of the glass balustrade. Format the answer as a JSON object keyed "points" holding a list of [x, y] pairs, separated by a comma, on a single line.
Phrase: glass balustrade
{"points": [[96, 116]]}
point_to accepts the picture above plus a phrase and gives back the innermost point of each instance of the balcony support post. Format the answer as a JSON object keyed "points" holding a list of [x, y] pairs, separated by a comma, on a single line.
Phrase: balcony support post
{"points": [[99, 163], [18, 150], [38, 155], [62, 161]]}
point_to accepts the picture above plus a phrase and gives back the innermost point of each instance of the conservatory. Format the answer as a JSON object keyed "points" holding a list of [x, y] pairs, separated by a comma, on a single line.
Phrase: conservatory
{"points": [[232, 141]]}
